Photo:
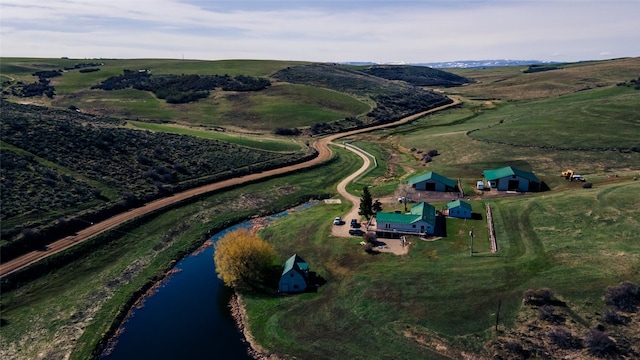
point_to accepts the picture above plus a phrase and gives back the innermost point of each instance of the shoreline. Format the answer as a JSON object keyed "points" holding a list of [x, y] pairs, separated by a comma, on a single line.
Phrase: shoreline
{"points": [[239, 314]]}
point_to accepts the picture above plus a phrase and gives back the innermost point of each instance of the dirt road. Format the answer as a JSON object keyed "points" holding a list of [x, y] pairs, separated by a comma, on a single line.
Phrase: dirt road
{"points": [[324, 154], [343, 230]]}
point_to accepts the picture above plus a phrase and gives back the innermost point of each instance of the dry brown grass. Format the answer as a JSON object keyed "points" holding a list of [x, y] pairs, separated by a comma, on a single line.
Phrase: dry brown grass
{"points": [[511, 83]]}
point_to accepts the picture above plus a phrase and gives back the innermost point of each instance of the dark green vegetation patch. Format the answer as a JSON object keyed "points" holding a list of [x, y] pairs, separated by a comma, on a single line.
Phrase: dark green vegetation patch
{"points": [[136, 166], [393, 100], [417, 75], [178, 89]]}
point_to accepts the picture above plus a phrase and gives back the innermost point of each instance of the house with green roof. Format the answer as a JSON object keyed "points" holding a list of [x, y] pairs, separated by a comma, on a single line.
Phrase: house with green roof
{"points": [[421, 220], [459, 209], [295, 275], [509, 178], [432, 181]]}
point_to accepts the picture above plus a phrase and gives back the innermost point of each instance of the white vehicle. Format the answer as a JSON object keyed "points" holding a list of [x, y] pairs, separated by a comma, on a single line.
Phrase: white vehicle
{"points": [[337, 221]]}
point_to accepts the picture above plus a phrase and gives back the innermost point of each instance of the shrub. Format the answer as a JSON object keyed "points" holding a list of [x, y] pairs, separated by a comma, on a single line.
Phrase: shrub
{"points": [[613, 317], [370, 238], [516, 349], [370, 249], [538, 297], [562, 338], [625, 296], [547, 313], [599, 343], [587, 185], [287, 131]]}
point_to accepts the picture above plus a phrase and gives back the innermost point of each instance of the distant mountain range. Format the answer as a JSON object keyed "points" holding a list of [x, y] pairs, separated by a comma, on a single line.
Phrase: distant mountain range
{"points": [[463, 63]]}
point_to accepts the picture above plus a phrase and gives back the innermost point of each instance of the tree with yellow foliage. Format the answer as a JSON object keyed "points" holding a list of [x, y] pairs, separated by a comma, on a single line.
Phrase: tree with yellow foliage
{"points": [[242, 258]]}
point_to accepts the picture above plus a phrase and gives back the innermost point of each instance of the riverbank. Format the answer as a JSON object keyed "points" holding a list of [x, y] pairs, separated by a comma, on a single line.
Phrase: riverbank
{"points": [[239, 314]]}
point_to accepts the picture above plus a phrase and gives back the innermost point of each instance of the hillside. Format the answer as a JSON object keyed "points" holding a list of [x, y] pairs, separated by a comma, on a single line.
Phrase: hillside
{"points": [[512, 83], [235, 95], [222, 112], [555, 288], [417, 75], [57, 163]]}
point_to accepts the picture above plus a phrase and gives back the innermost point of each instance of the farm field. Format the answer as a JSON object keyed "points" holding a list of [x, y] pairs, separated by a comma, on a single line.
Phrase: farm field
{"points": [[437, 296], [437, 301]]}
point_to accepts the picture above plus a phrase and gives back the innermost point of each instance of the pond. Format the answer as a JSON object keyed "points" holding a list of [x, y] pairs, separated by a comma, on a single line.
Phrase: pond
{"points": [[188, 316]]}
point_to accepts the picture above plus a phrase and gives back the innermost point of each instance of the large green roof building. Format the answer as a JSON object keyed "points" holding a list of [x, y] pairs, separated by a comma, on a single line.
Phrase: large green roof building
{"points": [[509, 178], [432, 181]]}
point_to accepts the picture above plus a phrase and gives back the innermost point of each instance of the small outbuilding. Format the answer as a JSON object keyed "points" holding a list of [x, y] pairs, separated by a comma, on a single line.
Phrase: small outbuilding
{"points": [[295, 275], [459, 209], [432, 181], [511, 179]]}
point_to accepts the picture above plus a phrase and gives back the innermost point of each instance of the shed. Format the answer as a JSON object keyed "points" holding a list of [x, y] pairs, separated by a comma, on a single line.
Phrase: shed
{"points": [[511, 179], [432, 181], [295, 275], [459, 209], [421, 219]]}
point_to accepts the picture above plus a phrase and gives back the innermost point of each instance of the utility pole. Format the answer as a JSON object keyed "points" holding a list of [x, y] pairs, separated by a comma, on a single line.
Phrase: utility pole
{"points": [[471, 243]]}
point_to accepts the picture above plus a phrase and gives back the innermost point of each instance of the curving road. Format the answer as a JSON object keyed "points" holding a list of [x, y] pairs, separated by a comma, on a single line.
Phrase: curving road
{"points": [[343, 230], [324, 154]]}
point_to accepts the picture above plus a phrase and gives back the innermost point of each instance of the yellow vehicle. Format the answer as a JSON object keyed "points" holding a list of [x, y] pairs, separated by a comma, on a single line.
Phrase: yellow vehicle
{"points": [[571, 176]]}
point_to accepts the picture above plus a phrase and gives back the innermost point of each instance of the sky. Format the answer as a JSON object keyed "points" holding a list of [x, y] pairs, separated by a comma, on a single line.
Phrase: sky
{"points": [[325, 31]]}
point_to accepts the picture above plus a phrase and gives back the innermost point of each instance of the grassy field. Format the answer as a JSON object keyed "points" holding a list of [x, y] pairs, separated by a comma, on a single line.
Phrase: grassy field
{"points": [[73, 81], [281, 105], [278, 106], [382, 305], [510, 83], [462, 156], [277, 144], [604, 118], [70, 308]]}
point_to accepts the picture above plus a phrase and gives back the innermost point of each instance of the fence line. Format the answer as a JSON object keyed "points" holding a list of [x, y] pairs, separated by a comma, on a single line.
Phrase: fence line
{"points": [[492, 232]]}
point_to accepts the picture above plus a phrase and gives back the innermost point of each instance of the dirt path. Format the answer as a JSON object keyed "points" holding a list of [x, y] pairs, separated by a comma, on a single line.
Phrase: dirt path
{"points": [[343, 230], [324, 154]]}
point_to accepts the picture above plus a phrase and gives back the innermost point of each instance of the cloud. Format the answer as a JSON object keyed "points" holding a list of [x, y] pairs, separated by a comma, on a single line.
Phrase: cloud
{"points": [[410, 31]]}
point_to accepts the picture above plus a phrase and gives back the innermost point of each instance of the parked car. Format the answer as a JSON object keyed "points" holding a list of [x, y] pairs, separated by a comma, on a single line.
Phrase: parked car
{"points": [[338, 221], [356, 232], [403, 199], [354, 223]]}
